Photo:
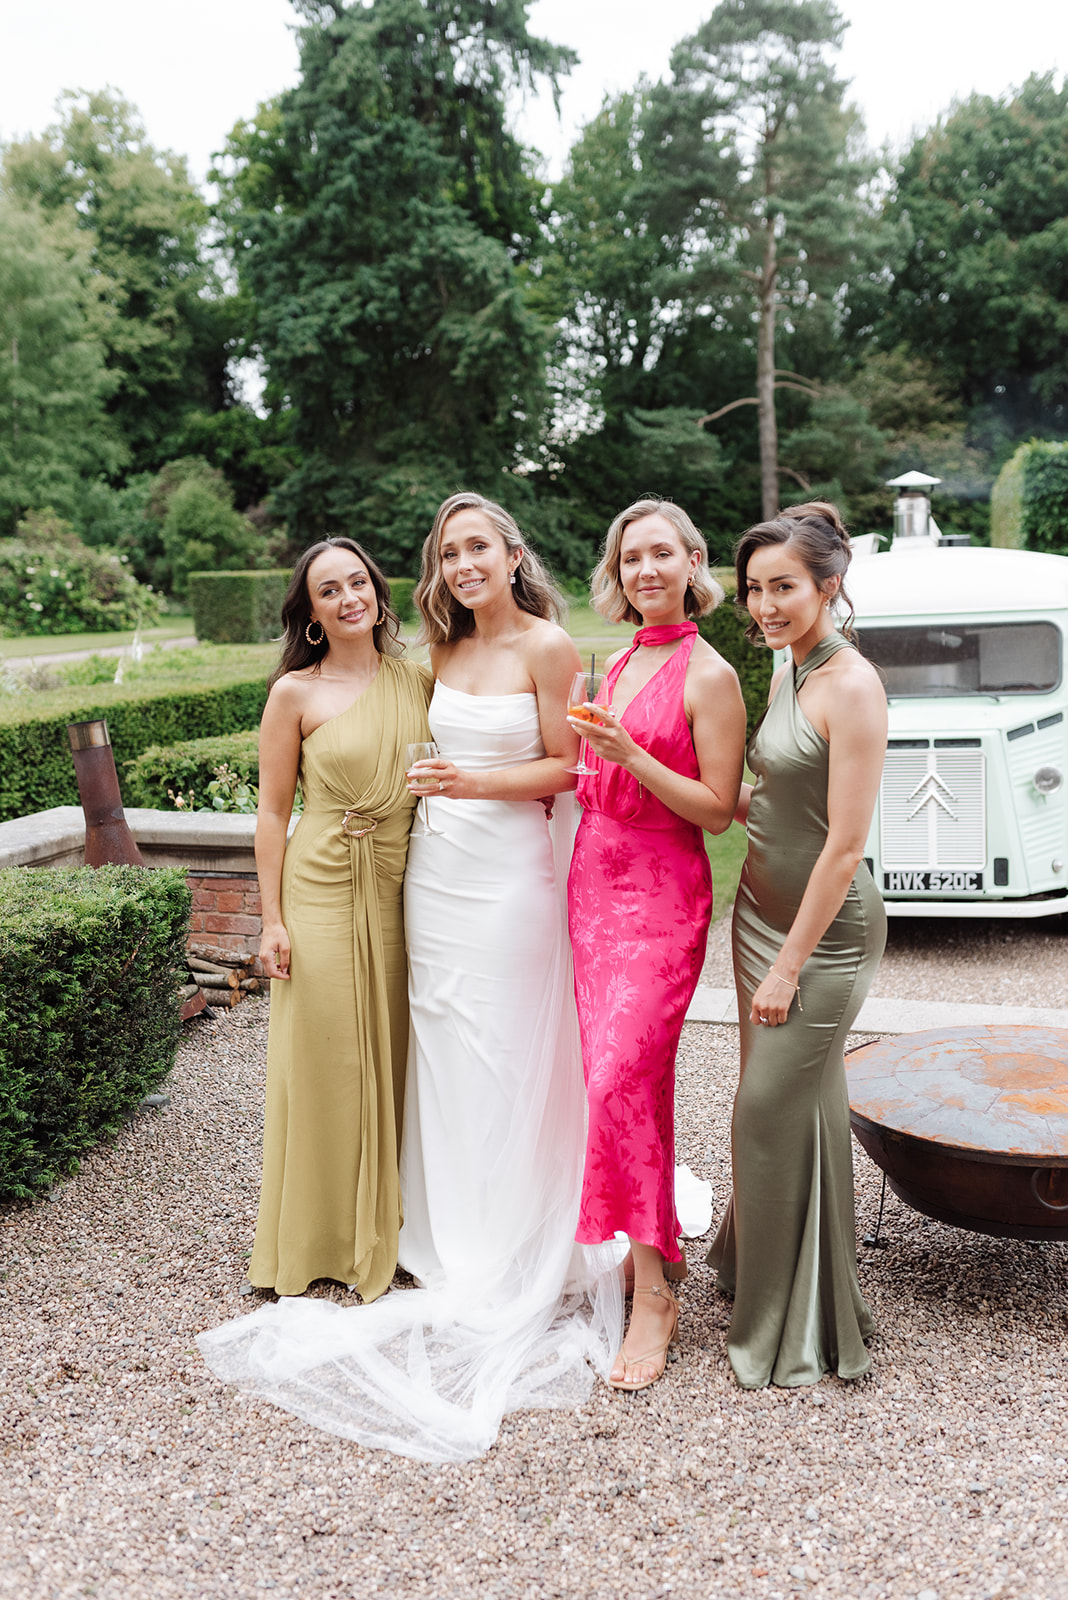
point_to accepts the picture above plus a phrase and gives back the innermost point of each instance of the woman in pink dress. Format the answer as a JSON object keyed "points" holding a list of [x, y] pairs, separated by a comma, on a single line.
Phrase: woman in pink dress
{"points": [[667, 761]]}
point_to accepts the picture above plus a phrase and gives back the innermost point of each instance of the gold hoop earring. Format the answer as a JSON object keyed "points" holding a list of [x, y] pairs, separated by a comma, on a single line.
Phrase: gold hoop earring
{"points": [[378, 620], [307, 633]]}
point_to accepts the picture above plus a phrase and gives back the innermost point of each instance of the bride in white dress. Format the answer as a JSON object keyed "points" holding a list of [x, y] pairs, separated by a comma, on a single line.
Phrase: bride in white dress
{"points": [[511, 1313]]}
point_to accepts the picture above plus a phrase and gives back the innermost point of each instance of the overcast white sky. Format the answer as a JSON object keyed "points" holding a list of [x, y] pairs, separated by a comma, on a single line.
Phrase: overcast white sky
{"points": [[195, 69]]}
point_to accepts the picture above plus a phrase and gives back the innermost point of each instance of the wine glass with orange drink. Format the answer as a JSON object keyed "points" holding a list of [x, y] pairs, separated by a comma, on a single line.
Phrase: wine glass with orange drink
{"points": [[585, 687]]}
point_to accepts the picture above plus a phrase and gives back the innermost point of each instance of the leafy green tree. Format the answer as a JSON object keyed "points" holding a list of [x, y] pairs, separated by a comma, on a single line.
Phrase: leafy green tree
{"points": [[983, 290], [54, 384], [169, 322], [602, 276], [381, 217], [199, 529], [756, 156], [629, 368]]}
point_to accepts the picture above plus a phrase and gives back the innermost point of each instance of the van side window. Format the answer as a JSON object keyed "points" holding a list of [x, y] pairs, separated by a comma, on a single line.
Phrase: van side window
{"points": [[966, 658]]}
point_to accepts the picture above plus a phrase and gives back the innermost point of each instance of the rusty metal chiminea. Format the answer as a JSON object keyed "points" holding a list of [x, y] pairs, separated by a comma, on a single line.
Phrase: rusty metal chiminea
{"points": [[108, 839]]}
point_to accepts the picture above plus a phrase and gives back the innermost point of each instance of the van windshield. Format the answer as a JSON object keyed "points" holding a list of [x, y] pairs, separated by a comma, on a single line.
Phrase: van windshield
{"points": [[945, 658]]}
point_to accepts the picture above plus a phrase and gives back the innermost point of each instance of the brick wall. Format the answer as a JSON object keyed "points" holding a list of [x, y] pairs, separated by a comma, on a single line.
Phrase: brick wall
{"points": [[226, 910]]}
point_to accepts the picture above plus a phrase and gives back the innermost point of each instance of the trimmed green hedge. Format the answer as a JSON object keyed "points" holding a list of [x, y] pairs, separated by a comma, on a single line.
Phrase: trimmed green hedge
{"points": [[90, 963], [189, 765], [237, 607], [400, 595], [36, 769], [754, 663], [1029, 500]]}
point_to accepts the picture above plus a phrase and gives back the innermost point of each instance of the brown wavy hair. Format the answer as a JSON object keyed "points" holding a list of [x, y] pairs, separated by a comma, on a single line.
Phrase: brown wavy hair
{"points": [[819, 536], [297, 653], [444, 618], [606, 588]]}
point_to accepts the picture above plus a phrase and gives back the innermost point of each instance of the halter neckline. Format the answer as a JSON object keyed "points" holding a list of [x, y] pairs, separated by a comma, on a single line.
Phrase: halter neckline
{"points": [[664, 632]]}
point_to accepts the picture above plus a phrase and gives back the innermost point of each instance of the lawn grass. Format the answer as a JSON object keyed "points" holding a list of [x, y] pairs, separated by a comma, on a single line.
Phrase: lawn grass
{"points": [[726, 853], [594, 636], [177, 626]]}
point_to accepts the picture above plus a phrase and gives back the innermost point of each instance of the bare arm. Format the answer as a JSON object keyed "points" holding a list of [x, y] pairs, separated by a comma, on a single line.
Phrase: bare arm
{"points": [[857, 725], [552, 663], [718, 714], [280, 741]]}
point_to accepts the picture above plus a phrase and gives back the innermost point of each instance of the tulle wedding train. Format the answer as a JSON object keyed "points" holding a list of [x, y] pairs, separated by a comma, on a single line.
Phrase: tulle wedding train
{"points": [[512, 1314]]}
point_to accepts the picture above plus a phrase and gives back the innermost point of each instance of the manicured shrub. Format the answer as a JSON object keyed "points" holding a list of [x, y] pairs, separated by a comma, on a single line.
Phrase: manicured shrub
{"points": [[50, 582], [196, 693], [1029, 501], [1006, 503], [237, 607], [1046, 497], [90, 963], [189, 766], [754, 664]]}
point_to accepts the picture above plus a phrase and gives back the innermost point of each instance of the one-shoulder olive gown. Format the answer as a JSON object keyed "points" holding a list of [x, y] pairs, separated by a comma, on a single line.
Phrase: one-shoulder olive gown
{"points": [[787, 1247], [330, 1199]]}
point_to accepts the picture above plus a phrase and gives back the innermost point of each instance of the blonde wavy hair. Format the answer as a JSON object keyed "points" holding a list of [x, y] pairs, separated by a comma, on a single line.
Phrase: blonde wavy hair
{"points": [[606, 589], [444, 618]]}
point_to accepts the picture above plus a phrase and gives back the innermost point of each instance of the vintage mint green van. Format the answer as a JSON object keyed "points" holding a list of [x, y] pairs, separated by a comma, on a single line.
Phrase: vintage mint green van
{"points": [[972, 818]]}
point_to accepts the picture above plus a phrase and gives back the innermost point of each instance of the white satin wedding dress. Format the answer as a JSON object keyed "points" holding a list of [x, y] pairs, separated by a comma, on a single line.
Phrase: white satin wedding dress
{"points": [[511, 1313]]}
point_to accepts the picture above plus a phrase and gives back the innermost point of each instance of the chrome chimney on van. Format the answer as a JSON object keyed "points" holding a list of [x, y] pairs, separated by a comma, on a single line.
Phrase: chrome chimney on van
{"points": [[914, 525]]}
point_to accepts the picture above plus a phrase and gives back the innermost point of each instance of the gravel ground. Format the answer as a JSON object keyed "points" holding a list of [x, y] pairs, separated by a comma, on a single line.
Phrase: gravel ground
{"points": [[130, 1474]]}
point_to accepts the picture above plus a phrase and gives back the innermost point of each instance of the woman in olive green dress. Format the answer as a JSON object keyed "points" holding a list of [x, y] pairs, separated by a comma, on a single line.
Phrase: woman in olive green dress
{"points": [[342, 710], [809, 929]]}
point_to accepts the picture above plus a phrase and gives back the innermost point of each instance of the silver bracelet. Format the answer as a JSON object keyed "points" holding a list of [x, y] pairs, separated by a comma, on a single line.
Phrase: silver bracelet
{"points": [[796, 987]]}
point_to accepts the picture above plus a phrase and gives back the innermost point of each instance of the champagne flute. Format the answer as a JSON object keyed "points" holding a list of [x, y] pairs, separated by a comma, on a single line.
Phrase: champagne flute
{"points": [[584, 686], [427, 751]]}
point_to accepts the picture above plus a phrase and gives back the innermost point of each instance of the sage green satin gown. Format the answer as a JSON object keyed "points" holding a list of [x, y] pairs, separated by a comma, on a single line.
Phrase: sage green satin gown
{"points": [[787, 1247]]}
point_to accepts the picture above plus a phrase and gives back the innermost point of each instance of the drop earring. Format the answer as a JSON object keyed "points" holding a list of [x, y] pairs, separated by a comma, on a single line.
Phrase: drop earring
{"points": [[307, 633]]}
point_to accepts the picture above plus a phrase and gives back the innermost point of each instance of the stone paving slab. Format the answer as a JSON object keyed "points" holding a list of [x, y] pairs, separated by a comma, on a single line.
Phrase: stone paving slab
{"points": [[895, 1016]]}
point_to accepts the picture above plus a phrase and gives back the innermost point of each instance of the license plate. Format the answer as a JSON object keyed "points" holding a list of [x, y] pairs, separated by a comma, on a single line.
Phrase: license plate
{"points": [[932, 880]]}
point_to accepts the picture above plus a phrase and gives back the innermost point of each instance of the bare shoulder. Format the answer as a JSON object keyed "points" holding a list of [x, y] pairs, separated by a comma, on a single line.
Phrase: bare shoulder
{"points": [[855, 678], [708, 667], [853, 702], [439, 654], [546, 644], [290, 692]]}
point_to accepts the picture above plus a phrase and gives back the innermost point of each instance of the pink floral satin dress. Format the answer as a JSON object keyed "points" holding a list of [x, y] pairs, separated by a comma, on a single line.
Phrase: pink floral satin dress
{"points": [[640, 901]]}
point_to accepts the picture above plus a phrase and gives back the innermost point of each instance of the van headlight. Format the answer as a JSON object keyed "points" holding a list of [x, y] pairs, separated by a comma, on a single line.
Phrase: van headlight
{"points": [[1047, 780]]}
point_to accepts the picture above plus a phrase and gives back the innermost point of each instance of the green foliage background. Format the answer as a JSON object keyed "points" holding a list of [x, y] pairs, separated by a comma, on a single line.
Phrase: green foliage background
{"points": [[188, 765], [428, 313]]}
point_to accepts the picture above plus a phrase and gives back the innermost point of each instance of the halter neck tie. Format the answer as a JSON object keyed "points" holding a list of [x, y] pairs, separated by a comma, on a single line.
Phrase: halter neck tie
{"points": [[664, 632]]}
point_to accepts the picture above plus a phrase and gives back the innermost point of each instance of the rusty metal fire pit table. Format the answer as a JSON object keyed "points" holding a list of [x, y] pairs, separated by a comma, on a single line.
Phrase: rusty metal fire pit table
{"points": [[970, 1125]]}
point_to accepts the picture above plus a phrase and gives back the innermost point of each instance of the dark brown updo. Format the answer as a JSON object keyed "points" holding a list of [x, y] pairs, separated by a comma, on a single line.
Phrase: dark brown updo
{"points": [[818, 534]]}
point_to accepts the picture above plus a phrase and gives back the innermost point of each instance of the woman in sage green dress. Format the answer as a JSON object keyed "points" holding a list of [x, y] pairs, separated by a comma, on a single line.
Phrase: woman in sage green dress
{"points": [[342, 710], [809, 929]]}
